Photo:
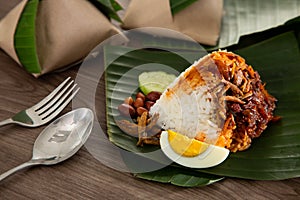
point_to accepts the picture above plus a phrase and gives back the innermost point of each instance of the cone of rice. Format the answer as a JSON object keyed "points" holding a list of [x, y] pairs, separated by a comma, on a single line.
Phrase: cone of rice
{"points": [[220, 100]]}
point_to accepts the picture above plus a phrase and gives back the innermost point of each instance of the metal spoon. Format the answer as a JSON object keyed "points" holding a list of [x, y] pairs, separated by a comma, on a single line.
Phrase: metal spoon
{"points": [[60, 140]]}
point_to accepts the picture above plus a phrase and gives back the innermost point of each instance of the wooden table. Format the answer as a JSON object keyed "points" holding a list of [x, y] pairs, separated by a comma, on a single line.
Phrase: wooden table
{"points": [[82, 176]]}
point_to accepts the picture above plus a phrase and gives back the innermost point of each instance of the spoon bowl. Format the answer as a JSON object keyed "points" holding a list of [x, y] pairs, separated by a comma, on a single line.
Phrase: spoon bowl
{"points": [[60, 140], [64, 137]]}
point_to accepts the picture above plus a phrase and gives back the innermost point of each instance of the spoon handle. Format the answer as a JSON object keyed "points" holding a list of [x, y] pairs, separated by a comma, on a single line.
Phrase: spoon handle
{"points": [[15, 169]]}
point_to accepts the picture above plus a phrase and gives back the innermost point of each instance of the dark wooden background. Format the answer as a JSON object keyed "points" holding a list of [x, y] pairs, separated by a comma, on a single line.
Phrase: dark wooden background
{"points": [[82, 176]]}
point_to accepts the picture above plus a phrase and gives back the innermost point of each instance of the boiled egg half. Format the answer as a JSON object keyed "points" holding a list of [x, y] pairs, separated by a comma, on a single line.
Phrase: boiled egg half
{"points": [[190, 152]]}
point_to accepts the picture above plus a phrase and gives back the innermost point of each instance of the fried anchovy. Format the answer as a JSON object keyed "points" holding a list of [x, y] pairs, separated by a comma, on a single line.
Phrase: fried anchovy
{"points": [[142, 128]]}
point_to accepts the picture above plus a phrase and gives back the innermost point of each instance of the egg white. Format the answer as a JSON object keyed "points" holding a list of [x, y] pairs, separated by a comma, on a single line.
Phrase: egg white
{"points": [[212, 156]]}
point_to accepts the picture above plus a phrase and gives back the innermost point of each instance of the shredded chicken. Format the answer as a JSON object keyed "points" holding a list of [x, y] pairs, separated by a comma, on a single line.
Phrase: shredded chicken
{"points": [[249, 106]]}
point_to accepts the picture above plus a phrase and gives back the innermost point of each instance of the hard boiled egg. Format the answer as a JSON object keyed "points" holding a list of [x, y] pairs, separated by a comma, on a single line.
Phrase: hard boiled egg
{"points": [[190, 152]]}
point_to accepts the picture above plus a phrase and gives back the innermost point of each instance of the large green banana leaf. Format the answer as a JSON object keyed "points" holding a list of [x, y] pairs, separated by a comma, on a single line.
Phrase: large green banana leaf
{"points": [[273, 156]]}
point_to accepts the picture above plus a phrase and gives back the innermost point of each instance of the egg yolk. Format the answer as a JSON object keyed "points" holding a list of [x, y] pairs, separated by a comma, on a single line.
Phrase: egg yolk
{"points": [[184, 145]]}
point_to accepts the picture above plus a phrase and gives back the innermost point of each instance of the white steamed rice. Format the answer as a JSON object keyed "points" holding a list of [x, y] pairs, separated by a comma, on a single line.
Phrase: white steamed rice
{"points": [[191, 111]]}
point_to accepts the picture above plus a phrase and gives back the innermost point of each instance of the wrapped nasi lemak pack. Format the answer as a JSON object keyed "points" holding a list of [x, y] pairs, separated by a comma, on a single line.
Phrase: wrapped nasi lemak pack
{"points": [[63, 31]]}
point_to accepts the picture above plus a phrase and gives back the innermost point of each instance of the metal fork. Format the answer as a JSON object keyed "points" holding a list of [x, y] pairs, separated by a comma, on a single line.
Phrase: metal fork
{"points": [[47, 108]]}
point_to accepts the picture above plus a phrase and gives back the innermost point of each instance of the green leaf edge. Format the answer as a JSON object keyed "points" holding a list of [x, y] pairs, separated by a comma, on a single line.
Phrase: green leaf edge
{"points": [[178, 5], [182, 178], [111, 7], [25, 40]]}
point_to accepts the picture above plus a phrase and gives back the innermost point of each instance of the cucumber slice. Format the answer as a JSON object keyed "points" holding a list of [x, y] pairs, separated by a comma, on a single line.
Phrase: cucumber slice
{"points": [[155, 81]]}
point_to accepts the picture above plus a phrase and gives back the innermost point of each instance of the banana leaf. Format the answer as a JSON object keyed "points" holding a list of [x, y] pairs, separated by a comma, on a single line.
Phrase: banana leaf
{"points": [[245, 17], [273, 156], [25, 42], [248, 40], [109, 8], [180, 177], [178, 5]]}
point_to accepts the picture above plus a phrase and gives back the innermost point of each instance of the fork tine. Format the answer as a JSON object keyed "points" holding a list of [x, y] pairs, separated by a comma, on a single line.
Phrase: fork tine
{"points": [[52, 101], [51, 95], [58, 103], [61, 107]]}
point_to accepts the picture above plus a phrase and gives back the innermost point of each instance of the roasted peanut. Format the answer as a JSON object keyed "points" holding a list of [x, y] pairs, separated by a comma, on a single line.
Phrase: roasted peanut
{"points": [[126, 110], [153, 96], [141, 110], [128, 100], [138, 103], [149, 104], [141, 95]]}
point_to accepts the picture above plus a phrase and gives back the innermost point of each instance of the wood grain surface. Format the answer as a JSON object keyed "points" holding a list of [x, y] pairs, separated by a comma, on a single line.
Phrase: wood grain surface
{"points": [[83, 176]]}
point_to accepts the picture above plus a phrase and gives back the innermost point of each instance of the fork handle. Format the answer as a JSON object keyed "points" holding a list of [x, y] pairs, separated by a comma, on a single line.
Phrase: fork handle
{"points": [[7, 121]]}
